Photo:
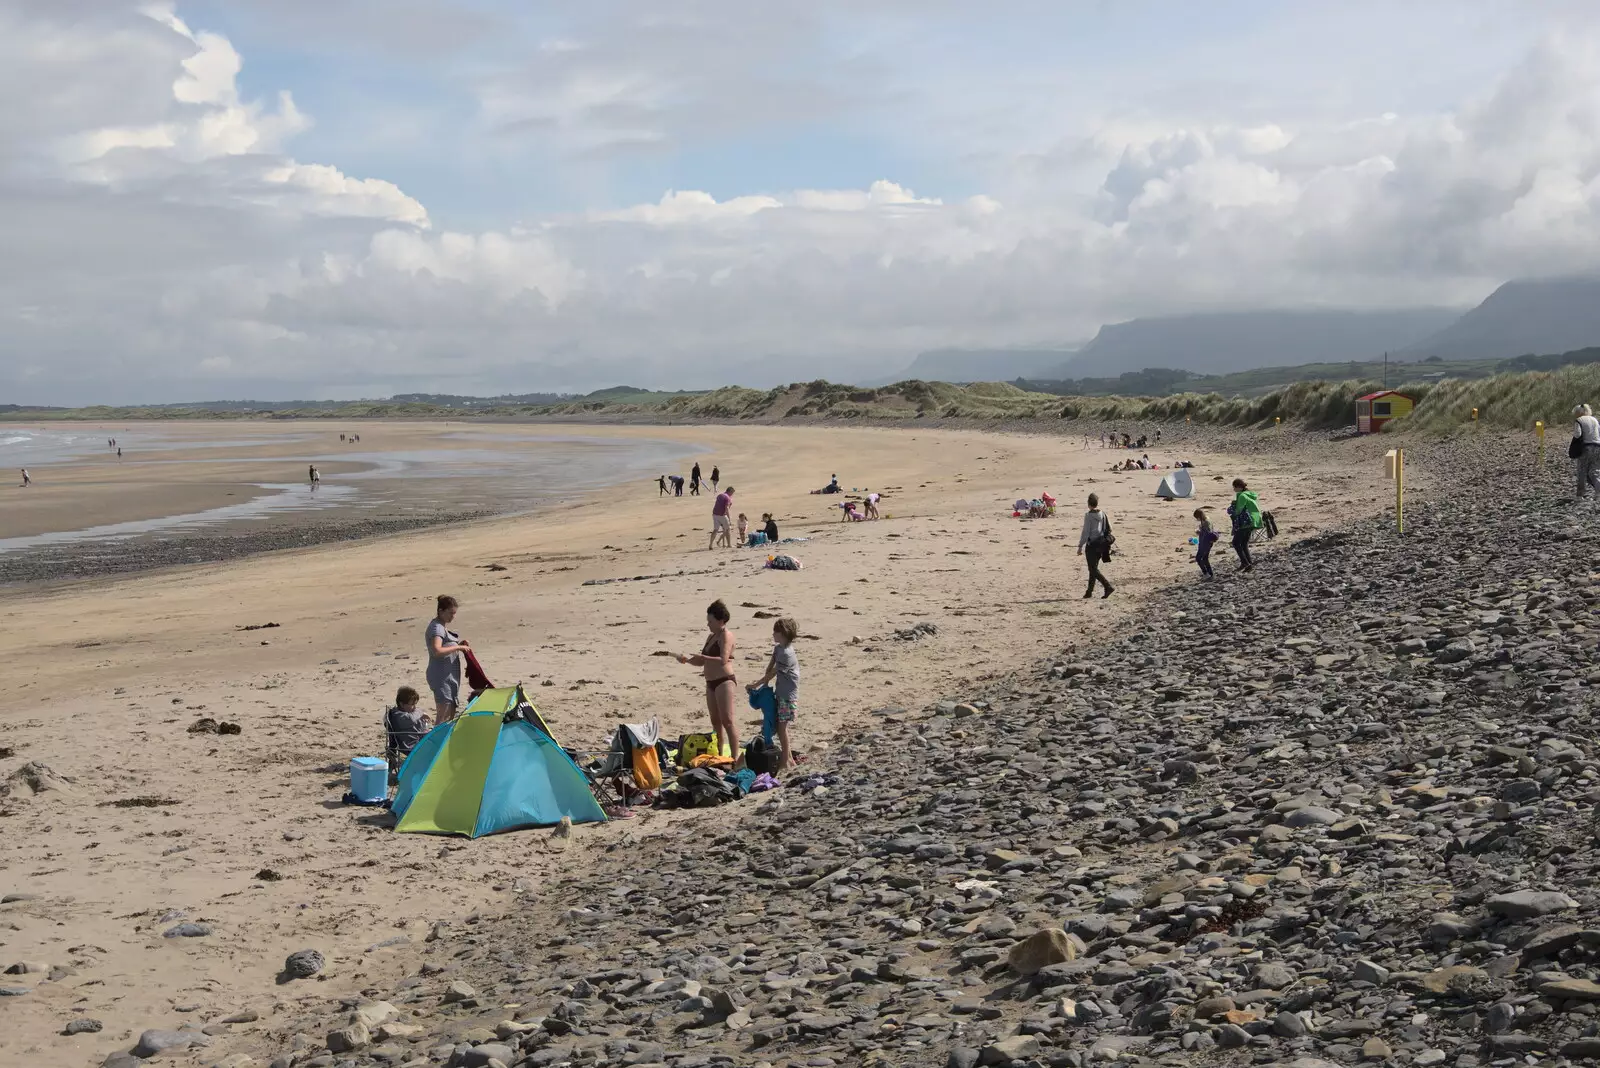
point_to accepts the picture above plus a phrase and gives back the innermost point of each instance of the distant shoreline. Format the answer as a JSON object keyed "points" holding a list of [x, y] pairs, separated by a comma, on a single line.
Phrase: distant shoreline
{"points": [[1511, 400]]}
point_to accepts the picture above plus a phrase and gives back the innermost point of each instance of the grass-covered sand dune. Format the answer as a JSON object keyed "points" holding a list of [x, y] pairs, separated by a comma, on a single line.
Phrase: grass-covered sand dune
{"points": [[1513, 400]]}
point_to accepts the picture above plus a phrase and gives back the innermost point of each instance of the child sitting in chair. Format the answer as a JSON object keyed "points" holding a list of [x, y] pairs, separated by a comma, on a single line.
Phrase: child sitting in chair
{"points": [[404, 724]]}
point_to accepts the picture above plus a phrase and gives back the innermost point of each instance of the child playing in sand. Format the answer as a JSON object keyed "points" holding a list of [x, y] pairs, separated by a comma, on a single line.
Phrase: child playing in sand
{"points": [[785, 668], [744, 530], [872, 506], [1204, 537], [405, 724]]}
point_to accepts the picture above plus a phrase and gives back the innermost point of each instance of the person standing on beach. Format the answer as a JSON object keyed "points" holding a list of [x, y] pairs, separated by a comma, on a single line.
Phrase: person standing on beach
{"points": [[662, 482], [721, 524], [1094, 545], [784, 667], [1586, 449], [444, 659], [1205, 536], [119, 452], [694, 480], [716, 476], [27, 479], [1246, 513], [715, 660]]}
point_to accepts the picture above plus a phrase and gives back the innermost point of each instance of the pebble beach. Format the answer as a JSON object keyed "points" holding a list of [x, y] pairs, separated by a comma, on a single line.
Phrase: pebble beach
{"points": [[997, 775]]}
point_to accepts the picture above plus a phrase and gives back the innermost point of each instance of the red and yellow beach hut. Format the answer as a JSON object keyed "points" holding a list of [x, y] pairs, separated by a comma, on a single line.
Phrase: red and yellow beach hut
{"points": [[1376, 409]]}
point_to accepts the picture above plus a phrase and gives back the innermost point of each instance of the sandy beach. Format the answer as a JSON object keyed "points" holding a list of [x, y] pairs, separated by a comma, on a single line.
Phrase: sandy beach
{"points": [[147, 825]]}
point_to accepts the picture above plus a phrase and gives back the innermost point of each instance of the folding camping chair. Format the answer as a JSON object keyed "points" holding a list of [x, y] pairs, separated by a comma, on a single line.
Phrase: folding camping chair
{"points": [[628, 773]]}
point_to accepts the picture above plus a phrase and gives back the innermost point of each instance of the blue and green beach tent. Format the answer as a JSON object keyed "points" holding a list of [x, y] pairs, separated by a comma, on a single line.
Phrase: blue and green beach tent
{"points": [[483, 772]]}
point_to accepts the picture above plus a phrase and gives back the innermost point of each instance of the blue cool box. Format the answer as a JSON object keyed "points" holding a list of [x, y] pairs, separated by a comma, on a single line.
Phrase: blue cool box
{"points": [[369, 779]]}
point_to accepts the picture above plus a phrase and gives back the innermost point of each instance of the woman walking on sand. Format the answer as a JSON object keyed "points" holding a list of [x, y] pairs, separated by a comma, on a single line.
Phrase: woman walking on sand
{"points": [[715, 659], [1246, 513], [1094, 545], [444, 660], [1585, 449], [716, 476]]}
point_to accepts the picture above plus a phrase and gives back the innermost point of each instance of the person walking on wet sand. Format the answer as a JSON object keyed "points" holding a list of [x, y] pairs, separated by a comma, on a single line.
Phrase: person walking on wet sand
{"points": [[27, 479], [1094, 545], [694, 481], [444, 659], [662, 482], [119, 452], [1246, 513], [721, 522], [716, 476]]}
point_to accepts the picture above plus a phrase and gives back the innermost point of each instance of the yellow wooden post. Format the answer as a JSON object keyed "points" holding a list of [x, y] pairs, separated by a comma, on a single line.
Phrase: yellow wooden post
{"points": [[1277, 420], [1474, 418], [1394, 463], [1538, 432], [1400, 491]]}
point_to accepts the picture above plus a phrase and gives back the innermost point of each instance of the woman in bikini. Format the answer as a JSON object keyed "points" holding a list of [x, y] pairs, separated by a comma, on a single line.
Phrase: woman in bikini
{"points": [[716, 661]]}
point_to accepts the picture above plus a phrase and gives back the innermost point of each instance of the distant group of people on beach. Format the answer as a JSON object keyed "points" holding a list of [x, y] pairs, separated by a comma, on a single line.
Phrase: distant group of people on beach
{"points": [[696, 480], [723, 522], [1245, 518]]}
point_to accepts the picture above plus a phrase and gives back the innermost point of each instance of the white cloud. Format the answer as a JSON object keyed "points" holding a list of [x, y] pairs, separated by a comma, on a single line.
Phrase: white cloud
{"points": [[157, 227]]}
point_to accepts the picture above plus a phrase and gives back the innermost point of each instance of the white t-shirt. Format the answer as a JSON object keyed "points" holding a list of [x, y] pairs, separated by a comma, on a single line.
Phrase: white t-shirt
{"points": [[1588, 428]]}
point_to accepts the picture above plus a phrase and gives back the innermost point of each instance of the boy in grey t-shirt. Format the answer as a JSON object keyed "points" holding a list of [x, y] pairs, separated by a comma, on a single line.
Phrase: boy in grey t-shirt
{"points": [[784, 667]]}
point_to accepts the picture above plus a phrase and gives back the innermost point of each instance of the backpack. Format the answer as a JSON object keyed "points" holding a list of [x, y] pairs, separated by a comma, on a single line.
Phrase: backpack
{"points": [[1269, 524], [693, 745], [762, 757]]}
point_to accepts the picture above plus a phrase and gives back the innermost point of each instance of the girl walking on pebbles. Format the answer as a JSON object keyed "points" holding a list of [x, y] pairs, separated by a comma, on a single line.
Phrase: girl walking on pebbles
{"points": [[1205, 536], [1094, 545]]}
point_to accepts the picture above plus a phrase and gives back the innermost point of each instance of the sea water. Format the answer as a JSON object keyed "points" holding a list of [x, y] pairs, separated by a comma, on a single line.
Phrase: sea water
{"points": [[511, 479]]}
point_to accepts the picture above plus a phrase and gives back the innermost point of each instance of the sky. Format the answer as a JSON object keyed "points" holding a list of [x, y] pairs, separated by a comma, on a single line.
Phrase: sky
{"points": [[279, 199]]}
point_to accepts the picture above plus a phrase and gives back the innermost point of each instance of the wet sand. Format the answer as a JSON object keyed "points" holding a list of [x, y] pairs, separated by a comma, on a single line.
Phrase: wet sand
{"points": [[102, 681]]}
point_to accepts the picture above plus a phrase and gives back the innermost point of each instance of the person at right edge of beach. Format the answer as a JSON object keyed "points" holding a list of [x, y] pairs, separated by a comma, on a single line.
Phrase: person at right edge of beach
{"points": [[715, 659], [1246, 513], [1585, 449], [444, 659], [1094, 545]]}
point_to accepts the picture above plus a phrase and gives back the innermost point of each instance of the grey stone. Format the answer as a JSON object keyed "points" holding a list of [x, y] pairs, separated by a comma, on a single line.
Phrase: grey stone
{"points": [[153, 1042], [303, 964], [1527, 904]]}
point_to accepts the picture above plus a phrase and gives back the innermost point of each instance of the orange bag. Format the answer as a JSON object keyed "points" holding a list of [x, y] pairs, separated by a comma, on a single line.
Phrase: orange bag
{"points": [[646, 768]]}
